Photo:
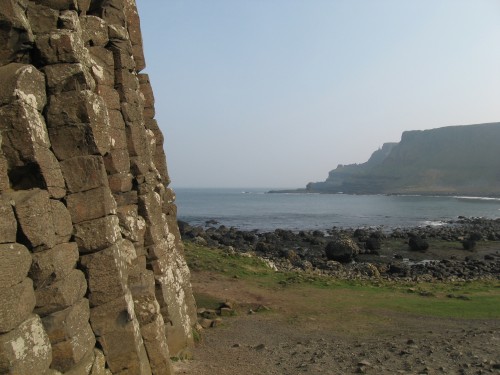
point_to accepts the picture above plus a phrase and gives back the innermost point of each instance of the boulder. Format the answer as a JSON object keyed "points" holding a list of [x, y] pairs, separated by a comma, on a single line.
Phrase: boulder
{"points": [[417, 243], [341, 249]]}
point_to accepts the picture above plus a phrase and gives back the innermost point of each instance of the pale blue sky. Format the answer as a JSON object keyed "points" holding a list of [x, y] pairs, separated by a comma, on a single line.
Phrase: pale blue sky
{"points": [[275, 93]]}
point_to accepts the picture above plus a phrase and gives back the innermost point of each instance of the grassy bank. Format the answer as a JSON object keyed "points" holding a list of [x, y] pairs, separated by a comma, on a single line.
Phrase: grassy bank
{"points": [[303, 296]]}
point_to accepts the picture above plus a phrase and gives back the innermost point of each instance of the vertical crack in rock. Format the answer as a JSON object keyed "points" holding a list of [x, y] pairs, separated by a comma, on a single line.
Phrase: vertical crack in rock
{"points": [[92, 272]]}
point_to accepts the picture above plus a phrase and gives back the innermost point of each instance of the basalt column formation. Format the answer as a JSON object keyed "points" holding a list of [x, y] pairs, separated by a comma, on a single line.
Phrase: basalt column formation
{"points": [[92, 274]]}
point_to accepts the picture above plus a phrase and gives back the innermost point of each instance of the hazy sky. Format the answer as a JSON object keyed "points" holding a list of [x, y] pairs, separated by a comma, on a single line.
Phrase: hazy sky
{"points": [[276, 93]]}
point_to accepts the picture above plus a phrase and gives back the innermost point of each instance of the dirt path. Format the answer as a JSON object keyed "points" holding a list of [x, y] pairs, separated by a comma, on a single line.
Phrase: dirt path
{"points": [[284, 341]]}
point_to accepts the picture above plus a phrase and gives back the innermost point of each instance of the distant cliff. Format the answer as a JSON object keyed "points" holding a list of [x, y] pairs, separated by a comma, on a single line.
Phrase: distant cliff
{"points": [[453, 160]]}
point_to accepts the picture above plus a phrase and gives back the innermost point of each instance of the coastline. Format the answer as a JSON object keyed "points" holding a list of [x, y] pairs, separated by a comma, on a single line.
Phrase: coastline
{"points": [[464, 249]]}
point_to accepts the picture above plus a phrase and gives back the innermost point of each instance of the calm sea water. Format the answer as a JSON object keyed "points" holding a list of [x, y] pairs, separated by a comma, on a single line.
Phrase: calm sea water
{"points": [[255, 209]]}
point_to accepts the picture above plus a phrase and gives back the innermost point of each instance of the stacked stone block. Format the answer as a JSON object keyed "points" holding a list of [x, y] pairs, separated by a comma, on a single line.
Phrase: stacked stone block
{"points": [[92, 274]]}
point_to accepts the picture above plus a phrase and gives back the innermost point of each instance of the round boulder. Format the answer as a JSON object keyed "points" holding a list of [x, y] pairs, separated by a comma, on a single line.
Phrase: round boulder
{"points": [[341, 249], [418, 244]]}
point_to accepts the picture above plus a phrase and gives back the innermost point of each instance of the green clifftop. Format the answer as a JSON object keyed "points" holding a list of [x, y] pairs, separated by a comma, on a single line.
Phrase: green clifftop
{"points": [[463, 160]]}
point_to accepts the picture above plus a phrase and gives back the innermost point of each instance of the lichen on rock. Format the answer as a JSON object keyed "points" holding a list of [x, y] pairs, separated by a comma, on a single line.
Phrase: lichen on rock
{"points": [[89, 246]]}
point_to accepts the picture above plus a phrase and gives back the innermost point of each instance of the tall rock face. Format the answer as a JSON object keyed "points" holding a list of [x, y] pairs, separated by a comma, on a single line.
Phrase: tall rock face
{"points": [[458, 160], [92, 274]]}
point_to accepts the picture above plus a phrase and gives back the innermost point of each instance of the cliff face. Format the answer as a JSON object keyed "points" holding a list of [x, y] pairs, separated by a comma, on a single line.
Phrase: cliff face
{"points": [[92, 274], [450, 160]]}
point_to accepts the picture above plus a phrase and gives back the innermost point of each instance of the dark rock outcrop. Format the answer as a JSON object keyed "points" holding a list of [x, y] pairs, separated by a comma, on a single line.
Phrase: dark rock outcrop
{"points": [[92, 274]]}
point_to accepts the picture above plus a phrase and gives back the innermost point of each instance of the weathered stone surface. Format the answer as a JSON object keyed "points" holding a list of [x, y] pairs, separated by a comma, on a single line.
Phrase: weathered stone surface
{"points": [[8, 224], [116, 120], [15, 262], [4, 176], [60, 4], [102, 65], [155, 342], [117, 161], [149, 99], [112, 11], [110, 97], [15, 33], [91, 144], [142, 287], [62, 221], [121, 182], [76, 107], [134, 31], [61, 294], [71, 141], [132, 225], [107, 272], [68, 19], [50, 172], [175, 298], [125, 199], [17, 304], [32, 209], [68, 77], [118, 333], [99, 364], [81, 107], [22, 82], [23, 129], [62, 46], [42, 19], [84, 367], [95, 31], [97, 234], [84, 173], [54, 264], [26, 350], [91, 204], [70, 335]]}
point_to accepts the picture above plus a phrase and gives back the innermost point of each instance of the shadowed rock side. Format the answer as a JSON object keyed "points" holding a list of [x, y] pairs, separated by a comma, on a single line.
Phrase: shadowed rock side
{"points": [[453, 160], [92, 273]]}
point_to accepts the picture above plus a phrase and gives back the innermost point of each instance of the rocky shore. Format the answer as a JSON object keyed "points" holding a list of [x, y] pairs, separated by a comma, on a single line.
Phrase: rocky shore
{"points": [[463, 249]]}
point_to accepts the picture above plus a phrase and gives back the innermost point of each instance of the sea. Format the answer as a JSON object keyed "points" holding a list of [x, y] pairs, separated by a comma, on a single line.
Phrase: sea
{"points": [[256, 209]]}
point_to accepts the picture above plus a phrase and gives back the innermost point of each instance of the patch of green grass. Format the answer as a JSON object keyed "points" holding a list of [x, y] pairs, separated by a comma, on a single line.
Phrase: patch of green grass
{"points": [[200, 258], [467, 300]]}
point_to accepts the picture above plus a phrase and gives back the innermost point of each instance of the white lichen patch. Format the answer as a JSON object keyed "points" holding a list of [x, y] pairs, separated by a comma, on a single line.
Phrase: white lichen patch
{"points": [[29, 99], [36, 126], [97, 70], [19, 348]]}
